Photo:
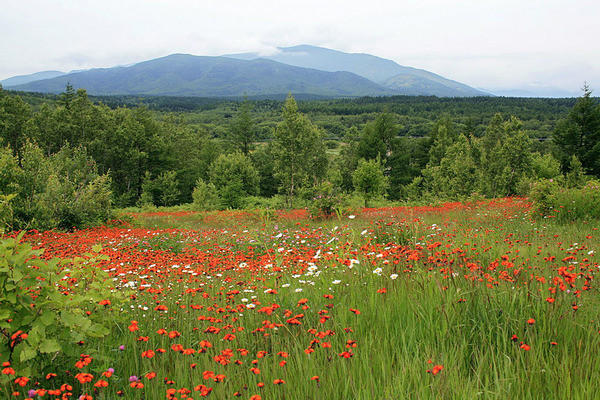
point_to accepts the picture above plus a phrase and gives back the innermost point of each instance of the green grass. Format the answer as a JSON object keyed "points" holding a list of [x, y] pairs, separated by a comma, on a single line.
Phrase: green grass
{"points": [[428, 312]]}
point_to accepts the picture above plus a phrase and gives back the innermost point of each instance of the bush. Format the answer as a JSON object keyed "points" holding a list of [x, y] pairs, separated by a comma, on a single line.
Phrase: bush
{"points": [[551, 200], [325, 200], [43, 306], [369, 180], [235, 178], [205, 196], [60, 191], [160, 191]]}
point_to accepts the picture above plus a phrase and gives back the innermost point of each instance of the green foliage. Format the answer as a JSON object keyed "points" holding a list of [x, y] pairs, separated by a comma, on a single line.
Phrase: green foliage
{"points": [[504, 157], [368, 179], [6, 212], [545, 166], [38, 322], [234, 177], [579, 134], [242, 132], [14, 113], [263, 161], [160, 191], [457, 175], [299, 152], [377, 137], [63, 190], [575, 177], [205, 196], [167, 187], [552, 200], [324, 200]]}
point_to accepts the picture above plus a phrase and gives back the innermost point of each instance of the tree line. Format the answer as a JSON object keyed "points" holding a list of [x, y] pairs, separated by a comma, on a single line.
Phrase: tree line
{"points": [[66, 162]]}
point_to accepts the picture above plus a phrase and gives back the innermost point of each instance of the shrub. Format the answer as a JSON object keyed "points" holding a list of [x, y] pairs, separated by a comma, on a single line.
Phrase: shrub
{"points": [[566, 204], [43, 306], [60, 191], [235, 178], [369, 180], [205, 196], [325, 200], [160, 191]]}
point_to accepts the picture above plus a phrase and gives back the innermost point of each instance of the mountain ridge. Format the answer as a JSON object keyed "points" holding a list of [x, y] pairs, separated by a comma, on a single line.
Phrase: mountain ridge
{"points": [[408, 80], [188, 75], [302, 69]]}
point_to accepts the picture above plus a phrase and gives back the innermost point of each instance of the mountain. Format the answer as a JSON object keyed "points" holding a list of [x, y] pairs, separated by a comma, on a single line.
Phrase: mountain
{"points": [[404, 80], [187, 75], [23, 79]]}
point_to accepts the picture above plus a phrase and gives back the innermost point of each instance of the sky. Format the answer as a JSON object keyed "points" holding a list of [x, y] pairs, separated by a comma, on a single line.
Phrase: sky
{"points": [[490, 44]]}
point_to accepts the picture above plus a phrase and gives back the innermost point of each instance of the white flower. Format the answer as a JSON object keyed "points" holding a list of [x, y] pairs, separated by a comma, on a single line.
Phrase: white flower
{"points": [[285, 285], [336, 282], [393, 276], [378, 271], [251, 305], [364, 232], [298, 290], [351, 216]]}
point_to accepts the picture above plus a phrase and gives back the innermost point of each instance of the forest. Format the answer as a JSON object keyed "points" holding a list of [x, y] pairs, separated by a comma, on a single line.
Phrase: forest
{"points": [[68, 160]]}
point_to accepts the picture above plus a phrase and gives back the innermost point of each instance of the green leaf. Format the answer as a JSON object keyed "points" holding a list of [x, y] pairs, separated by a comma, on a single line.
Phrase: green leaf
{"points": [[11, 298], [70, 319], [97, 331], [17, 275], [27, 352], [97, 248], [48, 317], [49, 346], [4, 314], [37, 333]]}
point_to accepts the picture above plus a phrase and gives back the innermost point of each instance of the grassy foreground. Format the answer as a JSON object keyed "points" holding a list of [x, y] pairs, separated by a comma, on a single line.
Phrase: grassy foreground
{"points": [[457, 301]]}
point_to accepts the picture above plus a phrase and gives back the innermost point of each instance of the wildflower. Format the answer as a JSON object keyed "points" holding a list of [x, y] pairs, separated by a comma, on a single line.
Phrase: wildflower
{"points": [[22, 381], [436, 369]]}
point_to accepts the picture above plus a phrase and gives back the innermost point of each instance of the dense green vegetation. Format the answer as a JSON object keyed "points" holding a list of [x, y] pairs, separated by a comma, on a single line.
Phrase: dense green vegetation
{"points": [[249, 153]]}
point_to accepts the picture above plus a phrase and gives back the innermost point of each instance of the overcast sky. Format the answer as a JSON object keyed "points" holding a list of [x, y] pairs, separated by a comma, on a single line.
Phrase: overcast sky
{"points": [[483, 43]]}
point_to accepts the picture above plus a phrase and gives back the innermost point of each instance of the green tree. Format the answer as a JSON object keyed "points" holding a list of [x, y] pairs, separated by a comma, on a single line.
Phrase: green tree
{"points": [[241, 132], [298, 149], [378, 137], [205, 196], [14, 113], [457, 175], [234, 177], [579, 134], [369, 180], [263, 161], [503, 156]]}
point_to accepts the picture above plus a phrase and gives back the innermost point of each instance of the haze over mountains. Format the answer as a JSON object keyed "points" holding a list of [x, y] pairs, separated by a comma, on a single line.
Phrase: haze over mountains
{"points": [[302, 70]]}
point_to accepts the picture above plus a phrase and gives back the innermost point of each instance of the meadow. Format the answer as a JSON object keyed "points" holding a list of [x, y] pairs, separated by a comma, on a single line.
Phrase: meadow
{"points": [[460, 300]]}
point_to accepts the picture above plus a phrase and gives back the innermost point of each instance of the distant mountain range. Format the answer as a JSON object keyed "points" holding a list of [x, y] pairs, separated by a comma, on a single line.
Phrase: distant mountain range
{"points": [[387, 73], [303, 70]]}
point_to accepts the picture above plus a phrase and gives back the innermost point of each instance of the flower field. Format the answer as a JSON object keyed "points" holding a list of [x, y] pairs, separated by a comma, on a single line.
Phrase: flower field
{"points": [[455, 301]]}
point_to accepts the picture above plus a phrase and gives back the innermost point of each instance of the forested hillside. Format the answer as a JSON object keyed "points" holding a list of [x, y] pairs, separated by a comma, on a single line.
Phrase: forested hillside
{"points": [[232, 154]]}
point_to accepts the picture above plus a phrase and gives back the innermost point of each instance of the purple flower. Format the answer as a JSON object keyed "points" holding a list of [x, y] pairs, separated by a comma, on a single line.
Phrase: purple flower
{"points": [[133, 378], [122, 347], [31, 393], [111, 370]]}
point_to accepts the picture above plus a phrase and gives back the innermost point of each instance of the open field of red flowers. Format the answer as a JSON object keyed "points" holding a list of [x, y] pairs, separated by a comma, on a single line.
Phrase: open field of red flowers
{"points": [[457, 301]]}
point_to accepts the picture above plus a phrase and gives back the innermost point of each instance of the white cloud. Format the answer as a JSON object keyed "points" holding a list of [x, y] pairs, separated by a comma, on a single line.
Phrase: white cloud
{"points": [[484, 43]]}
